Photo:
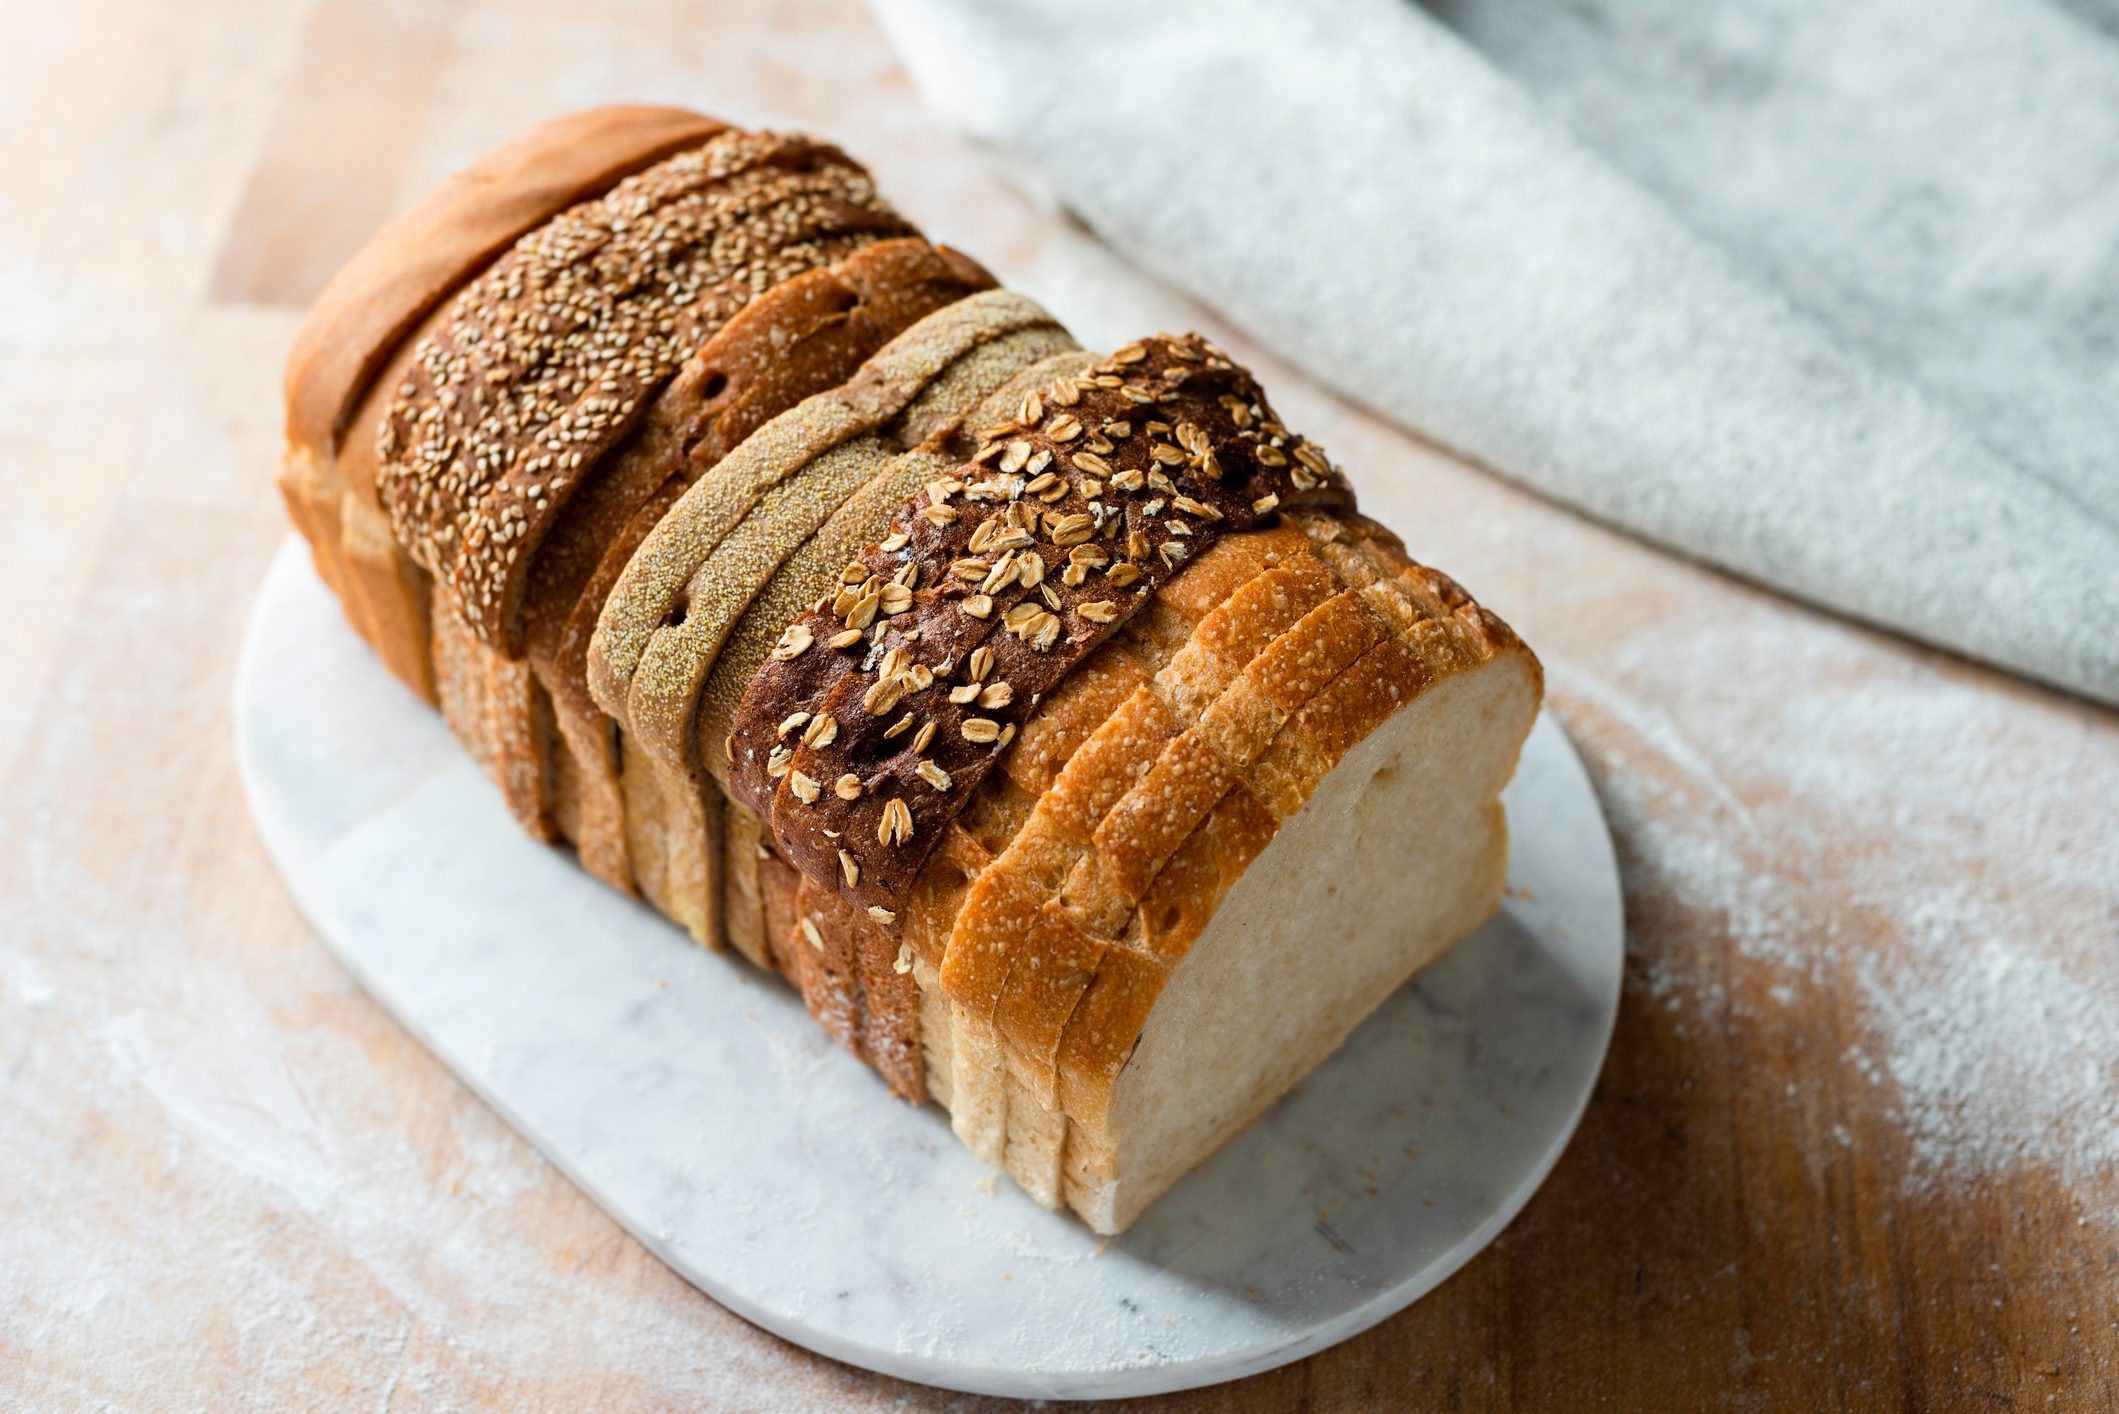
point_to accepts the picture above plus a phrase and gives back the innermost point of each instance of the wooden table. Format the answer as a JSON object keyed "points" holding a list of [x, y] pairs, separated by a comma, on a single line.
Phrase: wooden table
{"points": [[1855, 1144]]}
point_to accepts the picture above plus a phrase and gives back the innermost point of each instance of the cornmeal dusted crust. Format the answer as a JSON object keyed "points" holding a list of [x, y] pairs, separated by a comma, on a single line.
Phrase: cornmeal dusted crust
{"points": [[651, 600]]}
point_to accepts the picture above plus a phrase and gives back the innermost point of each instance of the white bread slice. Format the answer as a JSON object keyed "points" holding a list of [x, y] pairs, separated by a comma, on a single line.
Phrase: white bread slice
{"points": [[1401, 851]]}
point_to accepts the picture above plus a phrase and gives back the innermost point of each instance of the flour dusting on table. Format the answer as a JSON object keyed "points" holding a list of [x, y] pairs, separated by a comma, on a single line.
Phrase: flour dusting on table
{"points": [[1993, 1042]]}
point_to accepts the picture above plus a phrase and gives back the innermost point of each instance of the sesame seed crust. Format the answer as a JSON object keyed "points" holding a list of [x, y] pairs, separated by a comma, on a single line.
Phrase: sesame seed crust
{"points": [[1159, 450], [553, 354], [421, 258], [362, 329]]}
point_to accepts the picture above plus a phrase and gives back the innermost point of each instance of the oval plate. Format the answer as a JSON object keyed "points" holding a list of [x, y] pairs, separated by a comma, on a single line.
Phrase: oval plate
{"points": [[695, 1100]]}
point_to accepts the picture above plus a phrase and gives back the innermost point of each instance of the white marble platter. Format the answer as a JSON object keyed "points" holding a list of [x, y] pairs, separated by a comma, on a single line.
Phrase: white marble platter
{"points": [[696, 1101]]}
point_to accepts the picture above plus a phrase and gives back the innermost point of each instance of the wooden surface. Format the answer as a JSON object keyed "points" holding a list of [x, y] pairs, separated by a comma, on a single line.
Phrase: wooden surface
{"points": [[1854, 1147]]}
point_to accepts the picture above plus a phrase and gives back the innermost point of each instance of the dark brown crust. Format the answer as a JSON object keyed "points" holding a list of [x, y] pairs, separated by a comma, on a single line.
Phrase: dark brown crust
{"points": [[1206, 472], [425, 255]]}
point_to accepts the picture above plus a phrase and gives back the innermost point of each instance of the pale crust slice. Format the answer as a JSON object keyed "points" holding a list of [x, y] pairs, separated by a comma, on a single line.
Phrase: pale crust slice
{"points": [[1099, 1034], [1284, 669], [1172, 801], [1103, 769], [1106, 876], [1107, 716]]}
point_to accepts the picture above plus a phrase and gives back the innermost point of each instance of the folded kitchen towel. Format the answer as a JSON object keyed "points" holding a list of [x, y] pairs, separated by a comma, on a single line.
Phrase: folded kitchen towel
{"points": [[1826, 294]]}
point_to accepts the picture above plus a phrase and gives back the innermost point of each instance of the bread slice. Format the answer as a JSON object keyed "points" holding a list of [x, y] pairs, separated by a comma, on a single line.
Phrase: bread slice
{"points": [[1401, 850]]}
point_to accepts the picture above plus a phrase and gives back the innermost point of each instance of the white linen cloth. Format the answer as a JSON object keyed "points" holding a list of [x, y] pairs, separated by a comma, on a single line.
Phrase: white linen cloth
{"points": [[1824, 293]]}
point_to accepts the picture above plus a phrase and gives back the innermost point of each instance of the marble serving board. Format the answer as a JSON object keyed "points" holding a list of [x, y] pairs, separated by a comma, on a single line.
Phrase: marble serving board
{"points": [[696, 1101]]}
